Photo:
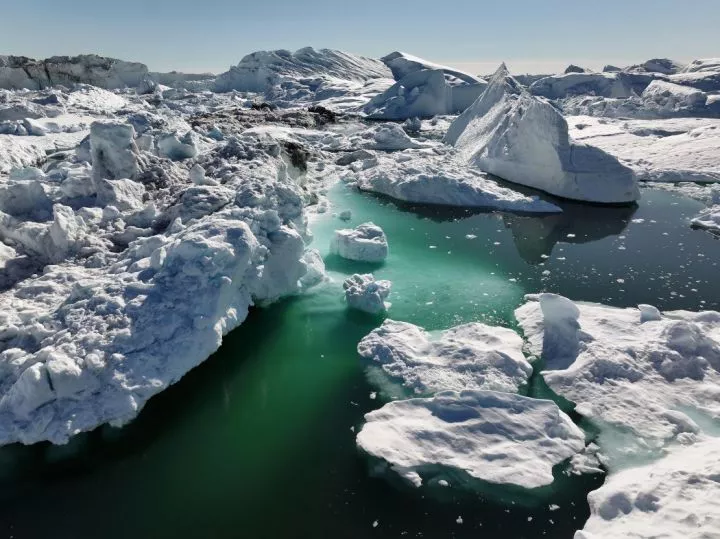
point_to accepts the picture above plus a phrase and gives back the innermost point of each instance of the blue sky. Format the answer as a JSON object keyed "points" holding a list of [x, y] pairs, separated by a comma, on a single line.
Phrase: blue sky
{"points": [[210, 35]]}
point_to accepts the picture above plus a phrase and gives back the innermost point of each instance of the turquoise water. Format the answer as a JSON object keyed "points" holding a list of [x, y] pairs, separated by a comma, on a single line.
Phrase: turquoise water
{"points": [[259, 440]]}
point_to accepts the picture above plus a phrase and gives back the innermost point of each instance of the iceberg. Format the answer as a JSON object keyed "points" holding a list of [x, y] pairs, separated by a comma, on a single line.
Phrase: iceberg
{"points": [[364, 293], [135, 284], [496, 437], [524, 139], [365, 243], [677, 494], [438, 177], [607, 360], [18, 72], [470, 356], [423, 90]]}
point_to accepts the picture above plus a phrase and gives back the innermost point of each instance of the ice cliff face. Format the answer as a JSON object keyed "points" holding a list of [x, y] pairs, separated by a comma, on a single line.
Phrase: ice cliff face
{"points": [[524, 139], [18, 72]]}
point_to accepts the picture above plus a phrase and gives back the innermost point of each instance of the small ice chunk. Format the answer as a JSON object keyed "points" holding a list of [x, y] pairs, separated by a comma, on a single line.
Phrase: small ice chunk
{"points": [[364, 293], [365, 243], [469, 356]]}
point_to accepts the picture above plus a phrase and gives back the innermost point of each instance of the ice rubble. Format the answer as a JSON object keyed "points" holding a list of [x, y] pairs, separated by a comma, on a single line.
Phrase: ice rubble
{"points": [[661, 99], [495, 437], [470, 356], [85, 340], [437, 177], [672, 150], [645, 377], [523, 139], [364, 243], [423, 89], [675, 497], [364, 293]]}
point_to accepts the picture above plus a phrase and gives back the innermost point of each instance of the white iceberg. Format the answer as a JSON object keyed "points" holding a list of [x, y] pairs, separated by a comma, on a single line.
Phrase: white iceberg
{"points": [[675, 497], [496, 437], [670, 150], [437, 177], [524, 139], [645, 378], [469, 356], [421, 94], [364, 293], [114, 153], [364, 243]]}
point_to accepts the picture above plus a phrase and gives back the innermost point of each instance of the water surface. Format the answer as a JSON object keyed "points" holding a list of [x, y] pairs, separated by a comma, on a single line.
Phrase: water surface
{"points": [[258, 442]]}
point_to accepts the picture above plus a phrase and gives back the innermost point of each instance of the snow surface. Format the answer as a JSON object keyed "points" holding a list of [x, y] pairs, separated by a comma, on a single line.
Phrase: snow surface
{"points": [[470, 356], [120, 271], [307, 75], [672, 150], [524, 139], [496, 437], [364, 243], [364, 293], [675, 498], [645, 378]]}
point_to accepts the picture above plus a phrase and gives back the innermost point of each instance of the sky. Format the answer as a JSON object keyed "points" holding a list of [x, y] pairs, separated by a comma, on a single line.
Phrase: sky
{"points": [[531, 36]]}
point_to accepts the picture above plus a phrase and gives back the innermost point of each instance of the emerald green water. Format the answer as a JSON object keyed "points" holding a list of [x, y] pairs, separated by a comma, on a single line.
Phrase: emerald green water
{"points": [[259, 440]]}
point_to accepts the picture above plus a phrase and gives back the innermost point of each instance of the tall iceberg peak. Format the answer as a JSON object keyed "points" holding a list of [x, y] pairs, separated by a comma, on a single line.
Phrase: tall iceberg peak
{"points": [[524, 139]]}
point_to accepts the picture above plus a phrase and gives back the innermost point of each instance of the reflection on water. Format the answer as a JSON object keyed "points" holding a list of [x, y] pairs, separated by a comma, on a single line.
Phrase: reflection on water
{"points": [[536, 236]]}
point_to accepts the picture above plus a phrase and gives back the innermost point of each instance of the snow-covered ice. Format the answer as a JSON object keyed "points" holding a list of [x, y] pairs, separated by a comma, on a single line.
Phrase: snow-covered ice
{"points": [[496, 437], [524, 139], [365, 293], [470, 356], [645, 378], [364, 243], [672, 150], [307, 76], [675, 497], [437, 177], [708, 219]]}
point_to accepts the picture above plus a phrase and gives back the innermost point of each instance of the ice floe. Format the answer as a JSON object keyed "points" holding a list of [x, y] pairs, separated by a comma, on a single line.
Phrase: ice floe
{"points": [[470, 356], [437, 177], [675, 497], [496, 437], [645, 378]]}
